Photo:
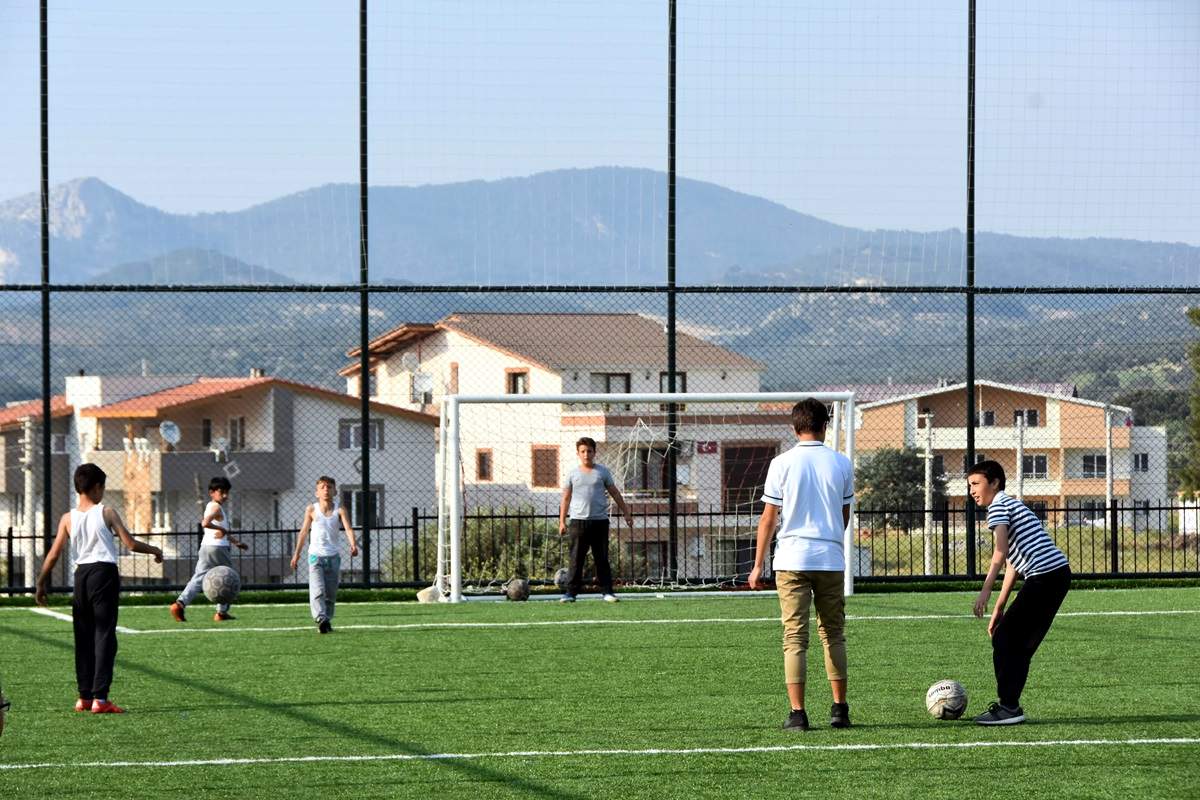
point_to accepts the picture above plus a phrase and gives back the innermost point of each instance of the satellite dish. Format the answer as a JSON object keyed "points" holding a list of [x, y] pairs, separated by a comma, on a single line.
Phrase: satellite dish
{"points": [[410, 362], [169, 432]]}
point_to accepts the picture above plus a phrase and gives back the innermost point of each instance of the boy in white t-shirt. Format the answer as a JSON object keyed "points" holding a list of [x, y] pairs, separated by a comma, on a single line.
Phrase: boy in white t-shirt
{"points": [[322, 518], [92, 530], [214, 549], [809, 490]]}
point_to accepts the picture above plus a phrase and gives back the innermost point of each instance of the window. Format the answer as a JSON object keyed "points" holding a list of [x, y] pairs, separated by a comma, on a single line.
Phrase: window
{"points": [[646, 471], [483, 465], [58, 443], [545, 466], [1030, 415], [237, 433], [517, 382], [1033, 467], [680, 382], [939, 465], [978, 457], [665, 386], [350, 434], [1095, 466], [421, 388], [610, 382], [206, 433], [989, 419], [1142, 507], [364, 507], [1141, 462], [373, 383]]}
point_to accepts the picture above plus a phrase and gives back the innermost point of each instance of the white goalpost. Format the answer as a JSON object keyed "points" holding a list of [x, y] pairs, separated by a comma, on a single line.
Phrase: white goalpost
{"points": [[501, 451]]}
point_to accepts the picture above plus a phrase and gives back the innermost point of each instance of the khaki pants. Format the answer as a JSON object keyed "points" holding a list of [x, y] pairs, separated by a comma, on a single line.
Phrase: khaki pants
{"points": [[797, 590]]}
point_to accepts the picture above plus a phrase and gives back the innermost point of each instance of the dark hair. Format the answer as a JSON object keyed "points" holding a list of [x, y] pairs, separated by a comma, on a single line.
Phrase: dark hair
{"points": [[219, 482], [990, 470], [88, 477], [585, 440], [326, 479], [810, 416]]}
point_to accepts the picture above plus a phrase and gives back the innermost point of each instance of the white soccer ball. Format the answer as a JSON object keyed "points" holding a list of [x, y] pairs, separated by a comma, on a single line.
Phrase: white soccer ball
{"points": [[221, 585], [946, 700]]}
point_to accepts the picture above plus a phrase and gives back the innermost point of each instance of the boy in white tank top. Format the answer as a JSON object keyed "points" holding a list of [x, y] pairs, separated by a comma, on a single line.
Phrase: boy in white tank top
{"points": [[322, 519], [89, 528]]}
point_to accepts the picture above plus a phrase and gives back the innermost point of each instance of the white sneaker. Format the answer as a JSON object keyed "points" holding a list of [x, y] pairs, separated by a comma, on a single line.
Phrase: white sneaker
{"points": [[611, 598]]}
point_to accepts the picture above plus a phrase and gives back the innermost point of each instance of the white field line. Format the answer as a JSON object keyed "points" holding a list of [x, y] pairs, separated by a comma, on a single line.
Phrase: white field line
{"points": [[46, 612], [653, 751], [561, 622]]}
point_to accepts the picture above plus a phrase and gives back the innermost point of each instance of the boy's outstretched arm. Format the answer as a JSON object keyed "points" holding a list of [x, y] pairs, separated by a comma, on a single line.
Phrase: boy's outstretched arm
{"points": [[621, 504], [999, 555], [301, 537], [349, 529], [113, 520], [60, 541], [766, 531]]}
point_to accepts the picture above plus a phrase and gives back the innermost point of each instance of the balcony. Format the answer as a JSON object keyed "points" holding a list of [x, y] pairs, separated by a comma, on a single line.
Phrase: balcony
{"points": [[251, 470], [990, 438]]}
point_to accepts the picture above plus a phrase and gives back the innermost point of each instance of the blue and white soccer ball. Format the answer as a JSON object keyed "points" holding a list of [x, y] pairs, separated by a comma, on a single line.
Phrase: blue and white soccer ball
{"points": [[221, 585]]}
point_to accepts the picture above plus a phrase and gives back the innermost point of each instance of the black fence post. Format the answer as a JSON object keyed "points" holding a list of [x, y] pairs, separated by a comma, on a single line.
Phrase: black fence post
{"points": [[11, 562], [946, 539], [416, 543], [1114, 517]]}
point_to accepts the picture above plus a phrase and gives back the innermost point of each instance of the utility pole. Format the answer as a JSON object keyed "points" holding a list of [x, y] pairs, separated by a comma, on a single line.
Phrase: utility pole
{"points": [[928, 515], [29, 523], [1108, 461], [1020, 455]]}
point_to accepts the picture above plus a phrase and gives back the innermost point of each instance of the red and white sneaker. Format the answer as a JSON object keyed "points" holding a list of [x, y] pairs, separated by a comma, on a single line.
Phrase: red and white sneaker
{"points": [[83, 705], [177, 612], [106, 707], [223, 616]]}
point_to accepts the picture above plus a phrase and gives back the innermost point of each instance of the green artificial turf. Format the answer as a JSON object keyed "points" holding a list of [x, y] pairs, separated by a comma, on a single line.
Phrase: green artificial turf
{"points": [[552, 691]]}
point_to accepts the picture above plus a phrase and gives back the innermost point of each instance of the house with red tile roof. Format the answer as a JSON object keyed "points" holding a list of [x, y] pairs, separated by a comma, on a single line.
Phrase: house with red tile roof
{"points": [[160, 439]]}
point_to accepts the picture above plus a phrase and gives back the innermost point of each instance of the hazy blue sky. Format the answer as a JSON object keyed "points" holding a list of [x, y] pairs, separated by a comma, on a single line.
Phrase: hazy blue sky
{"points": [[1088, 114]]}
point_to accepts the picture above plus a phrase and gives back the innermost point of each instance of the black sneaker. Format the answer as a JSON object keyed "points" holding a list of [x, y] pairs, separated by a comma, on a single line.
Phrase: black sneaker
{"points": [[839, 715], [1000, 715], [797, 720], [323, 626]]}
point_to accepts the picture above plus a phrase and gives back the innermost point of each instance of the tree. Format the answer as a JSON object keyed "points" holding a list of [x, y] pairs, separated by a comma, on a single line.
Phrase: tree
{"points": [[1190, 478], [891, 488]]}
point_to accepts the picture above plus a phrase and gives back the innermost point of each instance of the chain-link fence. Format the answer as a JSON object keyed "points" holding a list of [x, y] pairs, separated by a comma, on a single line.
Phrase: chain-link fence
{"points": [[270, 252]]}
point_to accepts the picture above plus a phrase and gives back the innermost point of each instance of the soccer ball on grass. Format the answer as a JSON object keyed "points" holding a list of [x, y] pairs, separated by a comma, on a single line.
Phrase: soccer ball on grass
{"points": [[946, 700]]}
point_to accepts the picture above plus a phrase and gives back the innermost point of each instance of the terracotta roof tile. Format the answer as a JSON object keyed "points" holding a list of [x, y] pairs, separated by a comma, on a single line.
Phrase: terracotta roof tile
{"points": [[14, 414], [152, 405]]}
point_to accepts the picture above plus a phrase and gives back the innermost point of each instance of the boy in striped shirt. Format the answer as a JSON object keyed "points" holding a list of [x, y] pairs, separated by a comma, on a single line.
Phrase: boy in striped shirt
{"points": [[1022, 542]]}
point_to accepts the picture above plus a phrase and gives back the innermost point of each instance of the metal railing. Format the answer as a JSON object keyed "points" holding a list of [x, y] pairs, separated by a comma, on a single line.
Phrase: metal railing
{"points": [[715, 547]]}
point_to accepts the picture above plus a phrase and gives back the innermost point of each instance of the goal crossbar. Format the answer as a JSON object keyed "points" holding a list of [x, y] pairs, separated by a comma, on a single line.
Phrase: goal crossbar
{"points": [[450, 518]]}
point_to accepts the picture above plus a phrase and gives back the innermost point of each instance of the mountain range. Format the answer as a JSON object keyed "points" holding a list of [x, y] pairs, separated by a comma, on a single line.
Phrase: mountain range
{"points": [[599, 227]]}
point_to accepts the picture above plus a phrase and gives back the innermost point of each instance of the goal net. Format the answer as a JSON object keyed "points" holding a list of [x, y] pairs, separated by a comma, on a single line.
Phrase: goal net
{"points": [[503, 459]]}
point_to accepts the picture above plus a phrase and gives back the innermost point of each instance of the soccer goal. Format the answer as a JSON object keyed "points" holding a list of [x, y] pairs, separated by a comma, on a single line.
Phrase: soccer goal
{"points": [[502, 460]]}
